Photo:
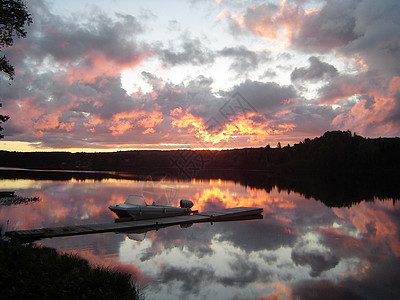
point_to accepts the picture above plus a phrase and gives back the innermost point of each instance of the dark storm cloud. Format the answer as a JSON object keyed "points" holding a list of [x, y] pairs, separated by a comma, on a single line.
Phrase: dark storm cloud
{"points": [[318, 261], [195, 239], [394, 114], [192, 52], [245, 59], [189, 278], [252, 236], [317, 71], [378, 35], [330, 28], [266, 97], [195, 96], [379, 281], [368, 31], [324, 289], [194, 279], [269, 258], [269, 74], [244, 273], [68, 42], [312, 119], [343, 86]]}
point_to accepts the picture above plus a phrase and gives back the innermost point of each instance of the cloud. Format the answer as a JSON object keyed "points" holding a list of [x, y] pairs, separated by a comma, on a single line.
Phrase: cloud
{"points": [[245, 60], [189, 278], [270, 20], [289, 23], [250, 124], [69, 81], [328, 28], [378, 36], [246, 235], [308, 289], [80, 51], [67, 91], [362, 33], [363, 30], [192, 52], [266, 97], [378, 281], [376, 109], [244, 273], [319, 262], [317, 71]]}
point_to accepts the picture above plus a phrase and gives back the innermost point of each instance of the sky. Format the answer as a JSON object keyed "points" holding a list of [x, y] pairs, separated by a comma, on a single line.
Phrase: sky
{"points": [[201, 74]]}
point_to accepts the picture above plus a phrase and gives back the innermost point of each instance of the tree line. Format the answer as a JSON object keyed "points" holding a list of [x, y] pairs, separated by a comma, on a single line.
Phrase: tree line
{"points": [[333, 154], [339, 168]]}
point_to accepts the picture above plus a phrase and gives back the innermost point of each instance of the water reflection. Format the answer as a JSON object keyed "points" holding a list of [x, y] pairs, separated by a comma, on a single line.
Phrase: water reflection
{"points": [[300, 249]]}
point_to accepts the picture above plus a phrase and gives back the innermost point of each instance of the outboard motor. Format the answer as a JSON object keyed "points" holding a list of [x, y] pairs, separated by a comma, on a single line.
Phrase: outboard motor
{"points": [[186, 203]]}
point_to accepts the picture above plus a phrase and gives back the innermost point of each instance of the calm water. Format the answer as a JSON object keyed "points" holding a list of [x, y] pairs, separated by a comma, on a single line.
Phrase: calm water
{"points": [[300, 249]]}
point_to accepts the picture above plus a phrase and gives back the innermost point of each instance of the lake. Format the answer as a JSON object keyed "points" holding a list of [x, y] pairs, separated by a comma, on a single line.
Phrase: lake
{"points": [[301, 248]]}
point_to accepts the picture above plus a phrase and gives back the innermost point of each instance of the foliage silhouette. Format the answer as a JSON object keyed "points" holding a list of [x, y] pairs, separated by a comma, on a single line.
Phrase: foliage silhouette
{"points": [[338, 168], [40, 272], [13, 17]]}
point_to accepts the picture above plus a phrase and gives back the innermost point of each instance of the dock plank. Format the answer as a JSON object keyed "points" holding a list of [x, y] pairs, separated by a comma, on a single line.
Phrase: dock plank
{"points": [[221, 215]]}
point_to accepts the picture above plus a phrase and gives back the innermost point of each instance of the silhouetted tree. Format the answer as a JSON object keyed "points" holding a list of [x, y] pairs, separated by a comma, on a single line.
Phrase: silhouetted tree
{"points": [[2, 120], [13, 17]]}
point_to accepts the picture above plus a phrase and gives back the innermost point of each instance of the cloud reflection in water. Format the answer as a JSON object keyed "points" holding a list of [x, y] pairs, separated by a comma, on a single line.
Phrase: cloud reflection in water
{"points": [[300, 249]]}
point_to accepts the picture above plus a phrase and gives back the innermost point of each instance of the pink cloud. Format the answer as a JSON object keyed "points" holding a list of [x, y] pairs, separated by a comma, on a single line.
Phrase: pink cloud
{"points": [[376, 116], [96, 65]]}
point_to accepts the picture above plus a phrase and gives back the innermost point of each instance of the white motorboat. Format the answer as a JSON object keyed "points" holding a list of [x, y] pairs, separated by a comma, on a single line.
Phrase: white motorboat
{"points": [[136, 208]]}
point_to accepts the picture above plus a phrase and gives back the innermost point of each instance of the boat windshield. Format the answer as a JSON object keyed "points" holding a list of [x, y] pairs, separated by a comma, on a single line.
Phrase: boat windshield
{"points": [[135, 199]]}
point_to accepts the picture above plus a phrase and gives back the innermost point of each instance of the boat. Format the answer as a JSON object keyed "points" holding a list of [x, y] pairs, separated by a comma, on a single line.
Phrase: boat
{"points": [[136, 208]]}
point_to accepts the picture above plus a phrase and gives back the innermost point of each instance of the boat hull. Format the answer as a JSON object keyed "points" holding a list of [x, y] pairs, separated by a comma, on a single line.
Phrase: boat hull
{"points": [[143, 212]]}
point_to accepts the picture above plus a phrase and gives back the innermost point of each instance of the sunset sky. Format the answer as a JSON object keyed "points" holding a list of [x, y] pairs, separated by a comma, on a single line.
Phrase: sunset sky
{"points": [[118, 75]]}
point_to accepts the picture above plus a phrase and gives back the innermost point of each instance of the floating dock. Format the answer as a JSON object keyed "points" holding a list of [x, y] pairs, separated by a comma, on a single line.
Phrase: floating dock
{"points": [[222, 215]]}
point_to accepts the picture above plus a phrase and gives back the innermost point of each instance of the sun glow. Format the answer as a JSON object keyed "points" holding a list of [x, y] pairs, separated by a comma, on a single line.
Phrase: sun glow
{"points": [[242, 125]]}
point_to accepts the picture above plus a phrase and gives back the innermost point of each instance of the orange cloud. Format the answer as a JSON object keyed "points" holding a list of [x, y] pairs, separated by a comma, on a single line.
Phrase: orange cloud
{"points": [[121, 127], [277, 25], [280, 291], [148, 130], [255, 198], [129, 120], [46, 122], [242, 125]]}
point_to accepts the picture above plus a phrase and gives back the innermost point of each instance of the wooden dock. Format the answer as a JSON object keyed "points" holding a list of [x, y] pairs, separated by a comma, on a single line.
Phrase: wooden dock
{"points": [[6, 194], [222, 215]]}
